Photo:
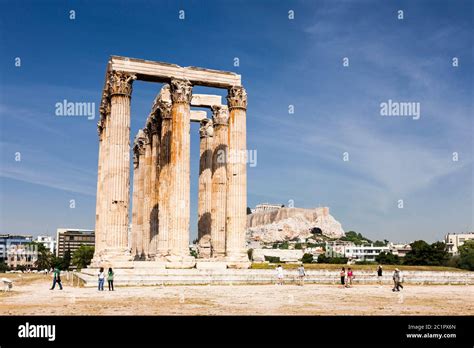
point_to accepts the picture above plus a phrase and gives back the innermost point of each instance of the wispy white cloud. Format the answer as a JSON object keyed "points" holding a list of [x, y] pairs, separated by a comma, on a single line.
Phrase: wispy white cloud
{"points": [[41, 168]]}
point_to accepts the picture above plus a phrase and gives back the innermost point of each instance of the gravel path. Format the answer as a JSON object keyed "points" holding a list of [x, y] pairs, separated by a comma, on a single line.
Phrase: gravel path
{"points": [[35, 298]]}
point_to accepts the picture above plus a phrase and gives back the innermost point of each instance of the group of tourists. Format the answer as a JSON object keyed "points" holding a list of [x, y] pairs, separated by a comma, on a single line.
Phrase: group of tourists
{"points": [[346, 277], [280, 275], [109, 276], [101, 278]]}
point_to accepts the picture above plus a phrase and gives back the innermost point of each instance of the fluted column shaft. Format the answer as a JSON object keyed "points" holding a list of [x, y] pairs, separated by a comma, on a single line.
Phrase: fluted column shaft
{"points": [[154, 197], [120, 88], [205, 187], [237, 176], [140, 199], [147, 194], [179, 165], [219, 181], [136, 164], [164, 104], [99, 214]]}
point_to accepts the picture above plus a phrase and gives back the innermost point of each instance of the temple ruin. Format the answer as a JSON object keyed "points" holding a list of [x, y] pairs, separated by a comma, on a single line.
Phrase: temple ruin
{"points": [[160, 211]]}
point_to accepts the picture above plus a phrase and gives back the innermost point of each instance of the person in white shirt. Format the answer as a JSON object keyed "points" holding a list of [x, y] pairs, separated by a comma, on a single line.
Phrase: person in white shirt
{"points": [[301, 274], [101, 276], [279, 270]]}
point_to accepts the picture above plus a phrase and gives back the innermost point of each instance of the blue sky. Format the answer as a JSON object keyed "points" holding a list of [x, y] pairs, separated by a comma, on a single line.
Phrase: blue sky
{"points": [[282, 62]]}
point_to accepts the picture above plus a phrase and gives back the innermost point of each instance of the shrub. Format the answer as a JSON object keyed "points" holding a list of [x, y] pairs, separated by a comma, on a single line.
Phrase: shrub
{"points": [[307, 258], [272, 259], [3, 267], [250, 253]]}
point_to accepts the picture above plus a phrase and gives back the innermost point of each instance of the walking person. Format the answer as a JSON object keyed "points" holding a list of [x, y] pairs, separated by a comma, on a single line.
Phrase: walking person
{"points": [[101, 277], [343, 276], [279, 270], [379, 275], [110, 279], [301, 274], [397, 280], [57, 279], [350, 276]]}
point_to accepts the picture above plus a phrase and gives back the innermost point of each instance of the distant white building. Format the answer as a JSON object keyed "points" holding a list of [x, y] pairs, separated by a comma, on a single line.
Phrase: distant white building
{"points": [[364, 253], [399, 249], [266, 207], [454, 240], [48, 242]]}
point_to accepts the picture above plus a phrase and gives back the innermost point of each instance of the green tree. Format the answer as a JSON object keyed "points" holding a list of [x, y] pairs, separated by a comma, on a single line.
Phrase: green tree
{"points": [[379, 243], [356, 238], [45, 257], [466, 255], [385, 258], [250, 254], [423, 253], [82, 256], [307, 258], [3, 267], [66, 261]]}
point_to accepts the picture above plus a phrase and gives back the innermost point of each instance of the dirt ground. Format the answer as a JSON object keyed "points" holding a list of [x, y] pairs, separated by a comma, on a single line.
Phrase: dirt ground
{"points": [[31, 296]]}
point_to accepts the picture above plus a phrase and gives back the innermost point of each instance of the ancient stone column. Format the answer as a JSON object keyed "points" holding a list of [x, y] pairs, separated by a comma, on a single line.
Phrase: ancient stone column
{"points": [[206, 133], [181, 91], [147, 183], [133, 242], [237, 179], [154, 173], [118, 185], [220, 119], [140, 254], [136, 203], [99, 212], [164, 105]]}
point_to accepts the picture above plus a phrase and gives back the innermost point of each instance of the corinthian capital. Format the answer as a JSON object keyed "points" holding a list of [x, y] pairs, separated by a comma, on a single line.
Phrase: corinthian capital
{"points": [[181, 91], [120, 83], [164, 102], [139, 143], [205, 129], [220, 115], [237, 98]]}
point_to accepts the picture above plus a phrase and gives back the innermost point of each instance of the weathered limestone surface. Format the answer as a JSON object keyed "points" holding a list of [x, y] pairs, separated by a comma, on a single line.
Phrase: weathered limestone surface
{"points": [[139, 275], [285, 255], [147, 185], [164, 105], [100, 174], [139, 253], [181, 91], [136, 163], [155, 172], [161, 182], [237, 179], [206, 133], [163, 72], [220, 120], [120, 88], [206, 100], [289, 223], [197, 115]]}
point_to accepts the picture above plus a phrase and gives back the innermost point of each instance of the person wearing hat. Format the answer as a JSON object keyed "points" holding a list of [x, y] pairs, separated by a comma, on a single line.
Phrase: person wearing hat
{"points": [[397, 280]]}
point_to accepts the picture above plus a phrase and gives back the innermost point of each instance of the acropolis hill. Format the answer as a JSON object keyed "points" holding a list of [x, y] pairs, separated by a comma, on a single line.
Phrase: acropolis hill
{"points": [[290, 223]]}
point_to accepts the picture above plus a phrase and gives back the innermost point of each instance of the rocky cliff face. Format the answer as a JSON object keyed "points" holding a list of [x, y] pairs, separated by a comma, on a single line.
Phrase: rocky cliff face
{"points": [[289, 223]]}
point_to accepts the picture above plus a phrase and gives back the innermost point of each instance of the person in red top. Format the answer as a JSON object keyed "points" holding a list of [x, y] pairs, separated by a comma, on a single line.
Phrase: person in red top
{"points": [[350, 276]]}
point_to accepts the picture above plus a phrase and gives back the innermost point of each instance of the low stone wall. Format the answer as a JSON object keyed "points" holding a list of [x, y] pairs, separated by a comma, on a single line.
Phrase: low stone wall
{"points": [[153, 276]]}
